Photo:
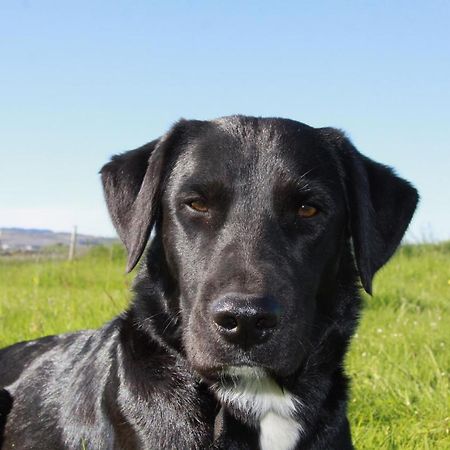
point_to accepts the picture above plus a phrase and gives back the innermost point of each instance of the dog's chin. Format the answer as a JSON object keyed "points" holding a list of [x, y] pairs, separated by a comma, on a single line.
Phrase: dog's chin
{"points": [[230, 375], [225, 373], [212, 366], [214, 373]]}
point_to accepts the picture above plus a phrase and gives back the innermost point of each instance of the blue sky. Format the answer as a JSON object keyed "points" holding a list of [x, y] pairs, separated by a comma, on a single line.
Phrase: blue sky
{"points": [[80, 81]]}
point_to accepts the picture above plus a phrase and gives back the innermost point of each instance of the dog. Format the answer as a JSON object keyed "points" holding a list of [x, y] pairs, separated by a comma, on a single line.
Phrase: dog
{"points": [[260, 233]]}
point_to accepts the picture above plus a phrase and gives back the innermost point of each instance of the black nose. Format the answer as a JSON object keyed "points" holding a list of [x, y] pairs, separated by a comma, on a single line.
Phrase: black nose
{"points": [[246, 320]]}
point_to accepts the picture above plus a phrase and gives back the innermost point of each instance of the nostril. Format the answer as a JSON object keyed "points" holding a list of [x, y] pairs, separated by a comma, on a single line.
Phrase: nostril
{"points": [[265, 323], [226, 320]]}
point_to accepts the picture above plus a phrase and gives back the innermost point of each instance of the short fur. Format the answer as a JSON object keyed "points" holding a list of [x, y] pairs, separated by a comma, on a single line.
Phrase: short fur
{"points": [[161, 375]]}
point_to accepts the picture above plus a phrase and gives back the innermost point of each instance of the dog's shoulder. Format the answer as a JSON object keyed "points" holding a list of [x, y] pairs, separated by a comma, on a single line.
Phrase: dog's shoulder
{"points": [[16, 358], [56, 351], [5, 407]]}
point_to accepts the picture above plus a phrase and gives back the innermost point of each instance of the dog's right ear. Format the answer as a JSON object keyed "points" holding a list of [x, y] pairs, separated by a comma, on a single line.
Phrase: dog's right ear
{"points": [[132, 184]]}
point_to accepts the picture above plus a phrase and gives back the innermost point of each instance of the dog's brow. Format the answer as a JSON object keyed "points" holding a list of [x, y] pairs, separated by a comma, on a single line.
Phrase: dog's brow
{"points": [[203, 187], [298, 184], [310, 180], [305, 174]]}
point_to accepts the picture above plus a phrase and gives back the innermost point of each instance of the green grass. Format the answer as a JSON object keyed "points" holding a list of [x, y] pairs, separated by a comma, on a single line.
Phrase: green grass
{"points": [[46, 297], [399, 360]]}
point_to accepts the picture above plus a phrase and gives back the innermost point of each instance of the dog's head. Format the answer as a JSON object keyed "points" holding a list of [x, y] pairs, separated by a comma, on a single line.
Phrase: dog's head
{"points": [[252, 217]]}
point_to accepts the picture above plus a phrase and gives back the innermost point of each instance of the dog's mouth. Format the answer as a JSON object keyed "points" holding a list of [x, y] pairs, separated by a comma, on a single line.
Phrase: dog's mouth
{"points": [[213, 370], [212, 361], [229, 374]]}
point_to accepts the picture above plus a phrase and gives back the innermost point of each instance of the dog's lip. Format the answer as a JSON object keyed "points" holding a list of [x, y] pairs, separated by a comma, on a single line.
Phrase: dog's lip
{"points": [[213, 374]]}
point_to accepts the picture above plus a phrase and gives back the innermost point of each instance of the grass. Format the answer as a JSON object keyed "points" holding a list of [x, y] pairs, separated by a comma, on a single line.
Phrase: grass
{"points": [[399, 360], [46, 297]]}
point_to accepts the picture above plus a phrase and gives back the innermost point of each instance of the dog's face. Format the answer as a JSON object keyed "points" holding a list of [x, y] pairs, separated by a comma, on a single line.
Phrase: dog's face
{"points": [[253, 224], [253, 216]]}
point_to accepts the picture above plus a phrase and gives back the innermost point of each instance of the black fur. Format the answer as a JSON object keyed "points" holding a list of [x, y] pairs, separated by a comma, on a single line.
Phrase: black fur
{"points": [[143, 381]]}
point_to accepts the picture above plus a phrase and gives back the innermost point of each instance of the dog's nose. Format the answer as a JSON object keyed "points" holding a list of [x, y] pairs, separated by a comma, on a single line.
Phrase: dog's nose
{"points": [[246, 320]]}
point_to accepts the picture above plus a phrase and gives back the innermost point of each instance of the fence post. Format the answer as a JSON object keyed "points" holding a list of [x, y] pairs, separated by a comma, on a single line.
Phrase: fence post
{"points": [[73, 244]]}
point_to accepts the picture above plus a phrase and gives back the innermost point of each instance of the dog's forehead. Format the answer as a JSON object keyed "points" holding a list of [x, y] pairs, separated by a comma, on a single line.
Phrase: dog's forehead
{"points": [[243, 148]]}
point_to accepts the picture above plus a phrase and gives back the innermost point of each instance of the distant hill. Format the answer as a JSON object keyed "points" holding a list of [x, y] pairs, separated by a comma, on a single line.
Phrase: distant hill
{"points": [[31, 239]]}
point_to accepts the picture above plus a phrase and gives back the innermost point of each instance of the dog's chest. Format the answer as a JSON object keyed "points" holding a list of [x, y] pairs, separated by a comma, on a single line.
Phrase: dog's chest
{"points": [[278, 432], [274, 408]]}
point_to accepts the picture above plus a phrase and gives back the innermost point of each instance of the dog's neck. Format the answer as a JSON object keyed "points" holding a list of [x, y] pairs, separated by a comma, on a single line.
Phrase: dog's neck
{"points": [[284, 419]]}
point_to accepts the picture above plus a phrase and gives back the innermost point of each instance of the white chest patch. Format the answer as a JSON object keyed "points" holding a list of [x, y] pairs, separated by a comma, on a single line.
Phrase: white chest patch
{"points": [[278, 432], [253, 392]]}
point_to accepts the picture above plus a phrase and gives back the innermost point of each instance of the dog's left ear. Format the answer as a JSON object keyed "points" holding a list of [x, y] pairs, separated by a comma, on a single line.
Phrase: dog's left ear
{"points": [[380, 205], [132, 185]]}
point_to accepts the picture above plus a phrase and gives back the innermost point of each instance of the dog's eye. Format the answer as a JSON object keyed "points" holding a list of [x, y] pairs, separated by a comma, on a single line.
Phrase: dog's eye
{"points": [[199, 206], [307, 211]]}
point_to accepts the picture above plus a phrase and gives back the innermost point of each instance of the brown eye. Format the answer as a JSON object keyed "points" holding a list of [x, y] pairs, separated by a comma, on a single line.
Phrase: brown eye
{"points": [[199, 206], [307, 211]]}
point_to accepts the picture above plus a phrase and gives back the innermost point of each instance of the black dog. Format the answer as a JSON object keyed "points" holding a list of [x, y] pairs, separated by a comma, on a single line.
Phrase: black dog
{"points": [[244, 306]]}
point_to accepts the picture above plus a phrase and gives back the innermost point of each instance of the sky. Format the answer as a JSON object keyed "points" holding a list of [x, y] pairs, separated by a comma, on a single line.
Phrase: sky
{"points": [[81, 81]]}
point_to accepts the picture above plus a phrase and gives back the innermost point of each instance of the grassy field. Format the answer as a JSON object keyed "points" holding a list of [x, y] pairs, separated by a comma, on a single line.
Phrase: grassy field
{"points": [[399, 361]]}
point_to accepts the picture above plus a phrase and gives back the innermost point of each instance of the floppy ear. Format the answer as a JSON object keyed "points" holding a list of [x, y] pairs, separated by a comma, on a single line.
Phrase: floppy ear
{"points": [[380, 205], [132, 184]]}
